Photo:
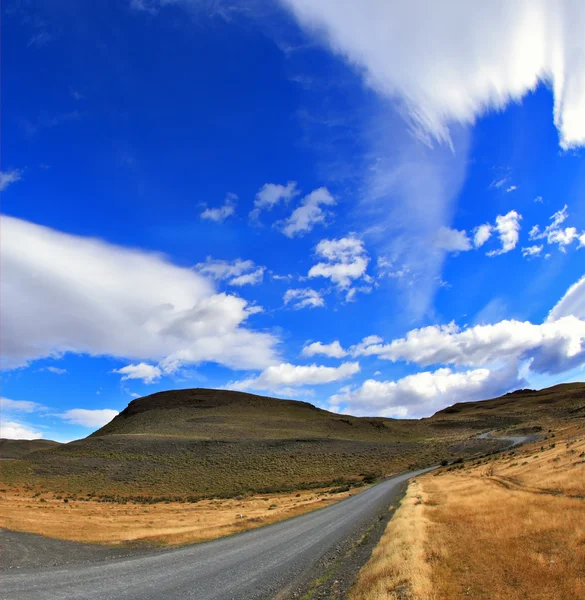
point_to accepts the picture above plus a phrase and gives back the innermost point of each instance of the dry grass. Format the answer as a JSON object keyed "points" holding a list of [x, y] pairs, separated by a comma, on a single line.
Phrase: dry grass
{"points": [[163, 523], [507, 528], [398, 567]]}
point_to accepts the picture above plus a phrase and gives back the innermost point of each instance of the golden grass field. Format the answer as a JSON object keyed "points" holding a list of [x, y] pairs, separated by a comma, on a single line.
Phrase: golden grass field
{"points": [[510, 527], [162, 523]]}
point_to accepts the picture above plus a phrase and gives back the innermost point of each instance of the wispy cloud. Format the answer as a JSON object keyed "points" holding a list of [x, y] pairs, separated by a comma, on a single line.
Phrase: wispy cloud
{"points": [[555, 234], [89, 418], [237, 272], [221, 213], [9, 177]]}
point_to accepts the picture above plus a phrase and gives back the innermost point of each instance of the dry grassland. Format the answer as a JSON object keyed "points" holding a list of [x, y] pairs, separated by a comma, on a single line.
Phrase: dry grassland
{"points": [[398, 566], [163, 523], [510, 527]]}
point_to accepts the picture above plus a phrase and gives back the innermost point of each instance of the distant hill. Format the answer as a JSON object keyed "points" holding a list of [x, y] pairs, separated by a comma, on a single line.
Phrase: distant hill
{"points": [[527, 407], [19, 448], [203, 442]]}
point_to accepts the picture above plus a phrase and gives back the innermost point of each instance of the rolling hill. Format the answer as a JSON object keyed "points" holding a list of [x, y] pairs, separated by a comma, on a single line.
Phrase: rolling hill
{"points": [[211, 443], [18, 448]]}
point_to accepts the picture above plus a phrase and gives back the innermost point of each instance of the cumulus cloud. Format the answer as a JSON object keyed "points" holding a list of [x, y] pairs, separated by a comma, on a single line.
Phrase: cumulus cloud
{"points": [[65, 293], [482, 234], [333, 350], [555, 234], [444, 77], [286, 374], [422, 394], [452, 240], [303, 298], [553, 346], [221, 213], [308, 214], [12, 430], [571, 304], [8, 177], [345, 260], [271, 194], [237, 272], [89, 418], [508, 227], [143, 371]]}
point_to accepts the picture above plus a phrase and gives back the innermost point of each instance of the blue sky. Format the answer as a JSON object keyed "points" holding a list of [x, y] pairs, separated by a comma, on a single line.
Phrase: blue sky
{"points": [[362, 206]]}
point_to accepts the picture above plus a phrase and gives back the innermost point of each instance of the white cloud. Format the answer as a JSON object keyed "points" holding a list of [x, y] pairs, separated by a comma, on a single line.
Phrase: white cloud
{"points": [[387, 268], [147, 373], [482, 234], [8, 177], [303, 298], [422, 394], [89, 418], [511, 188], [286, 374], [333, 350], [508, 227], [500, 182], [270, 194], [553, 346], [555, 234], [444, 77], [17, 431], [346, 260], [308, 214], [238, 272], [452, 240], [443, 81], [221, 213], [532, 251], [56, 370], [571, 304], [253, 278], [65, 293], [8, 405]]}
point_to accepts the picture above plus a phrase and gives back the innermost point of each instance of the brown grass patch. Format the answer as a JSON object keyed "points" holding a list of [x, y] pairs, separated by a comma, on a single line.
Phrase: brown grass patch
{"points": [[161, 523], [398, 567], [509, 527]]}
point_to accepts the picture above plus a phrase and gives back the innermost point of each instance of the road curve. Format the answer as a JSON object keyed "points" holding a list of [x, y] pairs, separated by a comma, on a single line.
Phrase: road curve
{"points": [[251, 565]]}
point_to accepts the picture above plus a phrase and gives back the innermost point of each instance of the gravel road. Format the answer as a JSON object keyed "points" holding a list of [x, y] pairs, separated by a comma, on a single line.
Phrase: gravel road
{"points": [[263, 563]]}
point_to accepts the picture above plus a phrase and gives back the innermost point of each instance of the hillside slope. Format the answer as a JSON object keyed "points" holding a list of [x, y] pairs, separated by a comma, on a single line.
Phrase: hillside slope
{"points": [[203, 443], [18, 448]]}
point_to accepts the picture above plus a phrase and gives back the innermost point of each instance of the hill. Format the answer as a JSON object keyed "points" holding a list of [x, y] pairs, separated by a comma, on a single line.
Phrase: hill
{"points": [[525, 409], [18, 448], [203, 443]]}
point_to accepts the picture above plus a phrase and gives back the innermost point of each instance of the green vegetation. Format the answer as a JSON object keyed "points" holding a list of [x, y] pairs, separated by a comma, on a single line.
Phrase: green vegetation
{"points": [[192, 444], [18, 448]]}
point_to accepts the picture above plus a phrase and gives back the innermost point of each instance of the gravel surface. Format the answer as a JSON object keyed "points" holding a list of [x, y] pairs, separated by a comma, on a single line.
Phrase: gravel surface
{"points": [[279, 560]]}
